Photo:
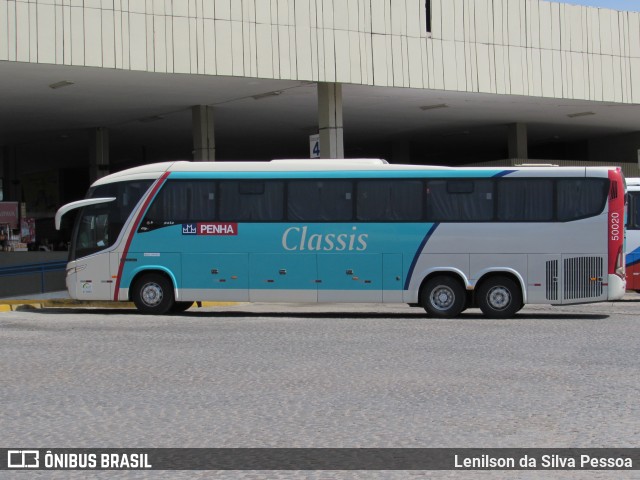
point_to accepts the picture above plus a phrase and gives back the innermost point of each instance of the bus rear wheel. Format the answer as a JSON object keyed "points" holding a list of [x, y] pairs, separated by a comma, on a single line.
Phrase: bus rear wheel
{"points": [[153, 294], [499, 297], [443, 297]]}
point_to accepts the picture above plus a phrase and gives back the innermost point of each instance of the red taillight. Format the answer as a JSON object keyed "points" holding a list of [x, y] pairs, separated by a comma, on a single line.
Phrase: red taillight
{"points": [[620, 267]]}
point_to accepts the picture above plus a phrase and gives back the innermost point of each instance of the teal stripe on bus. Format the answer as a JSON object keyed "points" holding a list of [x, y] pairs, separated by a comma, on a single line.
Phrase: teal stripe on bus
{"points": [[340, 174]]}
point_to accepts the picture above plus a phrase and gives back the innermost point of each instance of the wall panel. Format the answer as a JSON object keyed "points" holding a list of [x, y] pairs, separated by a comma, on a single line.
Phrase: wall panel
{"points": [[264, 53], [355, 60], [59, 35], [209, 40], [284, 52], [438, 65], [546, 73], [519, 47], [378, 48], [222, 9], [224, 46], [236, 62], [635, 73], [397, 61], [414, 63], [45, 30]]}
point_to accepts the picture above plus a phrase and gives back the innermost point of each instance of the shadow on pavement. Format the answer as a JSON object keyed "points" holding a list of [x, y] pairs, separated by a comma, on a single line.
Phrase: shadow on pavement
{"points": [[198, 313]]}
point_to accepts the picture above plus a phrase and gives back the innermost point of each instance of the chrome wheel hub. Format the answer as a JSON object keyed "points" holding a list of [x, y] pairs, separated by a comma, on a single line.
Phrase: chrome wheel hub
{"points": [[442, 298], [499, 298], [152, 294]]}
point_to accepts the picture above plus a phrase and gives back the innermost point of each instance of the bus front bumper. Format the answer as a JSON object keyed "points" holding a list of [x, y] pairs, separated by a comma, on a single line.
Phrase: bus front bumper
{"points": [[617, 287]]}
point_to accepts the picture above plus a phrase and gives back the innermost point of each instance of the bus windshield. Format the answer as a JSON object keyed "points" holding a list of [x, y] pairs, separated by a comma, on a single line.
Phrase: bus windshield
{"points": [[97, 227]]}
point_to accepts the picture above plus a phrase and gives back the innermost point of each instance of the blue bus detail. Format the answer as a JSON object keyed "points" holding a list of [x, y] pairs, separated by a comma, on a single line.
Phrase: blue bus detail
{"points": [[418, 252], [632, 258]]}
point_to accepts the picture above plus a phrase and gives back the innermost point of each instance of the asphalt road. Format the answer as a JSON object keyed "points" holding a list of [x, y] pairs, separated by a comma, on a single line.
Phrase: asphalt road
{"points": [[279, 375]]}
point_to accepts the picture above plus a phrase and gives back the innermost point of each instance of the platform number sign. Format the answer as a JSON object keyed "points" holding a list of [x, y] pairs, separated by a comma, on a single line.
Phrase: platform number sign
{"points": [[314, 146]]}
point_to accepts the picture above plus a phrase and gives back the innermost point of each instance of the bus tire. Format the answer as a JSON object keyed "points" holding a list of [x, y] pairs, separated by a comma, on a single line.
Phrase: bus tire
{"points": [[499, 297], [153, 294], [179, 307], [443, 297]]}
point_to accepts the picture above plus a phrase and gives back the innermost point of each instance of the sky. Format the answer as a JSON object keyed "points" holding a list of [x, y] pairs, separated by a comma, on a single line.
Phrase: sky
{"points": [[631, 5]]}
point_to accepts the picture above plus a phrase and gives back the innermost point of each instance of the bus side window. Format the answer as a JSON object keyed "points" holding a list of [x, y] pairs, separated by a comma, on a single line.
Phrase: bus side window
{"points": [[182, 201], [468, 200], [251, 201], [320, 200], [581, 197], [390, 200], [633, 211], [525, 200]]}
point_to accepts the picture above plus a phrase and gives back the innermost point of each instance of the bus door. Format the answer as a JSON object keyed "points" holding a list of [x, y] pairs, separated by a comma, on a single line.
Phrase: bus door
{"points": [[283, 277], [93, 271], [348, 277]]}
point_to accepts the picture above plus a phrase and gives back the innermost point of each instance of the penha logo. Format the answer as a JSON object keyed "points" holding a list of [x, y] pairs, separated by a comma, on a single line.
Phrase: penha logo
{"points": [[23, 459], [207, 228], [189, 229]]}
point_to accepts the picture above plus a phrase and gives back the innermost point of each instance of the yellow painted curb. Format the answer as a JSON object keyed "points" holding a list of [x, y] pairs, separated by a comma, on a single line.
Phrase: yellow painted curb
{"points": [[218, 304], [13, 305], [21, 306]]}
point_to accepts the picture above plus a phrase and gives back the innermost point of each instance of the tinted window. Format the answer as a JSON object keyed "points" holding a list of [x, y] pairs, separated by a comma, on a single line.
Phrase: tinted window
{"points": [[633, 213], [251, 201], [459, 200], [180, 202], [389, 200], [581, 197], [320, 200], [525, 200], [127, 195]]}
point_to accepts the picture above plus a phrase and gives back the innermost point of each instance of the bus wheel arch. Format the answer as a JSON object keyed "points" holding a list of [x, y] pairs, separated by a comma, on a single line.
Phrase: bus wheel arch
{"points": [[443, 294], [499, 294], [153, 292]]}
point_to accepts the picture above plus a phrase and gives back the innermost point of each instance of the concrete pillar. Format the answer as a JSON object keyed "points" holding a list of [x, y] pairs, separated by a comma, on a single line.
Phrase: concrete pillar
{"points": [[330, 120], [98, 153], [204, 143], [518, 141]]}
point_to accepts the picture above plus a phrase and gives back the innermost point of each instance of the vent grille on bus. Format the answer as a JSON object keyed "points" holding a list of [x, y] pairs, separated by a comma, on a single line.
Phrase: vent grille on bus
{"points": [[552, 280], [613, 191], [582, 277]]}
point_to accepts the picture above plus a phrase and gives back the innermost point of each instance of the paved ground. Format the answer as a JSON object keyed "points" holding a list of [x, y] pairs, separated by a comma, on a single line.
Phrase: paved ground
{"points": [[267, 375]]}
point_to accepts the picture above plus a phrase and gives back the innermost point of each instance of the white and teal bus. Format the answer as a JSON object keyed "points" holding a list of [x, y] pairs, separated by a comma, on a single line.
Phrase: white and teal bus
{"points": [[169, 234]]}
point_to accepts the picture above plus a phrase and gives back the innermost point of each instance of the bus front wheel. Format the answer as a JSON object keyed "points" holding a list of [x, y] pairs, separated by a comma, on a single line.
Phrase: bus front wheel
{"points": [[499, 297], [443, 297], [153, 293]]}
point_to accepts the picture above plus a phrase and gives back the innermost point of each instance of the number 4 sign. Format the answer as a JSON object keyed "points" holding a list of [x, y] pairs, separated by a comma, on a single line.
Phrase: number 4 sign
{"points": [[314, 146]]}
